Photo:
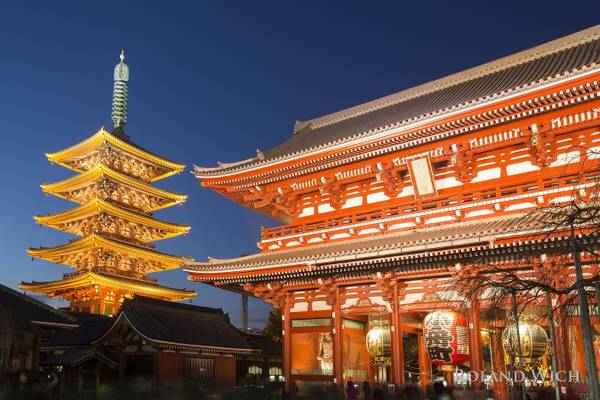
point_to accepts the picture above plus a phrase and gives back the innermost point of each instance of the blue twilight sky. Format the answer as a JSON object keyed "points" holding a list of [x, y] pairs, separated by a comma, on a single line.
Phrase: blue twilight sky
{"points": [[214, 81]]}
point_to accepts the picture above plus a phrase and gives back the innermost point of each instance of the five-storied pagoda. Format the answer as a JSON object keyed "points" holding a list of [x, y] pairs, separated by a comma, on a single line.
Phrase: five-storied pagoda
{"points": [[386, 202], [114, 220]]}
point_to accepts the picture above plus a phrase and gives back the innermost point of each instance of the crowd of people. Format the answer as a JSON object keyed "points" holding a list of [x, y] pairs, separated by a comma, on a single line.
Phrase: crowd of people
{"points": [[439, 390], [411, 392]]}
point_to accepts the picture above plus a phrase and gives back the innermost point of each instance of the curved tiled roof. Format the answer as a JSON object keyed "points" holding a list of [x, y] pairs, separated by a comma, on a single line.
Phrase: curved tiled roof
{"points": [[417, 240], [88, 278], [183, 324], [91, 327], [502, 77], [24, 310]]}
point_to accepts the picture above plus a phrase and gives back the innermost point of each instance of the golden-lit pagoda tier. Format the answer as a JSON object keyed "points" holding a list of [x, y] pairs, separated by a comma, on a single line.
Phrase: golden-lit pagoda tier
{"points": [[101, 292], [101, 216], [97, 251], [117, 153], [114, 220], [106, 183]]}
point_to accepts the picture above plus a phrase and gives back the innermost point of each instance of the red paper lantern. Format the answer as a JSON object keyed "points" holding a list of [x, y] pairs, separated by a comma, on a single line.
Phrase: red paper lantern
{"points": [[446, 339]]}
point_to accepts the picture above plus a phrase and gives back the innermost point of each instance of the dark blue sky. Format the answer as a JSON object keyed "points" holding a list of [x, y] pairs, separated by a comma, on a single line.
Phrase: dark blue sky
{"points": [[214, 81]]}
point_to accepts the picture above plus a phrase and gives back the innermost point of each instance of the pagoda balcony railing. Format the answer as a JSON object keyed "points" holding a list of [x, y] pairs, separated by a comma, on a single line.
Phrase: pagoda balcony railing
{"points": [[409, 209], [123, 274]]}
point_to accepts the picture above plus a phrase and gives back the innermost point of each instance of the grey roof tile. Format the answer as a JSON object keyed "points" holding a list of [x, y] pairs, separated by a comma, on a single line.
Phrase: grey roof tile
{"points": [[23, 310], [413, 241], [181, 323], [463, 92], [505, 75]]}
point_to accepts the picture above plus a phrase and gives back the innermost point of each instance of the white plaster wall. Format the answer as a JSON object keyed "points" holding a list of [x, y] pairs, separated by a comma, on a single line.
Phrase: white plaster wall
{"points": [[521, 168], [376, 197], [487, 174]]}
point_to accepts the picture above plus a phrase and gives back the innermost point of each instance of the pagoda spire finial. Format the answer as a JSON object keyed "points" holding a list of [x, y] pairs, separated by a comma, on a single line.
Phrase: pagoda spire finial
{"points": [[119, 102]]}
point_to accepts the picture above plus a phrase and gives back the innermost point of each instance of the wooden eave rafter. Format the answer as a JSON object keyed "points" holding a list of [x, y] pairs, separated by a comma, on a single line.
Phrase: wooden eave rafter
{"points": [[97, 206], [504, 246], [91, 279], [98, 172], [55, 254], [101, 137]]}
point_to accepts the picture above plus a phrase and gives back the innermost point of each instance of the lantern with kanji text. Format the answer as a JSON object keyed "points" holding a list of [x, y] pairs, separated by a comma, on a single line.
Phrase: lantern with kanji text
{"points": [[446, 340]]}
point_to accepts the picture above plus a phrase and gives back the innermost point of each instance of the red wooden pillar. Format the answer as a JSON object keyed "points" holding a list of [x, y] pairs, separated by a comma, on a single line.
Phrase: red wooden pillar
{"points": [[500, 384], [576, 347], [397, 342], [338, 362], [287, 345], [561, 343], [424, 363], [475, 345]]}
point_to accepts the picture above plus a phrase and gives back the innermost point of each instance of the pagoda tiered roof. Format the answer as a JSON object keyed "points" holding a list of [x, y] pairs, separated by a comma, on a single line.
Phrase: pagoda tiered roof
{"points": [[94, 279], [85, 155], [77, 189], [428, 105], [97, 250], [115, 221], [91, 217]]}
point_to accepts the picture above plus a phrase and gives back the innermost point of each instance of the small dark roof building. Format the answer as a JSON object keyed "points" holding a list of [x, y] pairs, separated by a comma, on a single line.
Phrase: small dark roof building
{"points": [[25, 311], [25, 324], [180, 326], [149, 338], [73, 347], [175, 341], [90, 327]]}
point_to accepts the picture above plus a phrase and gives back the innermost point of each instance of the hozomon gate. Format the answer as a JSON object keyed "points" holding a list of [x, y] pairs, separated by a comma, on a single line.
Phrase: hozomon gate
{"points": [[384, 202]]}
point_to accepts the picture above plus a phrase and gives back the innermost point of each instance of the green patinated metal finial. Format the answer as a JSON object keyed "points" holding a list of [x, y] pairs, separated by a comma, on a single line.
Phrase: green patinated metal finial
{"points": [[119, 102]]}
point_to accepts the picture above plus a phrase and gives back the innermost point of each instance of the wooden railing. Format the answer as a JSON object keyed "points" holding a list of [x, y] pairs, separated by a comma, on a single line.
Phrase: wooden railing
{"points": [[411, 207], [543, 180]]}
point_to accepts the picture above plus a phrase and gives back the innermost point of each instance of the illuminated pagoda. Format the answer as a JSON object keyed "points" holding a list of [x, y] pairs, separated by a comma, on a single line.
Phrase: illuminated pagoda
{"points": [[384, 203], [114, 220]]}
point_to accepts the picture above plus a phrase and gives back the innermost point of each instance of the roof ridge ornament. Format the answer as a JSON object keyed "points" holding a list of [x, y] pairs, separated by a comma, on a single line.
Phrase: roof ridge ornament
{"points": [[119, 100]]}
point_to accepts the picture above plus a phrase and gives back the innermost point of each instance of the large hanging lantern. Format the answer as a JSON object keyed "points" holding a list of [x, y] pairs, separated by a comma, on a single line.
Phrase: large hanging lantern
{"points": [[446, 340], [534, 341], [379, 341]]}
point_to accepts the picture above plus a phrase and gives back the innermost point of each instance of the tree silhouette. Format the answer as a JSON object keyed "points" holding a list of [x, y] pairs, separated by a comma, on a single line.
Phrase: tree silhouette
{"points": [[273, 328]]}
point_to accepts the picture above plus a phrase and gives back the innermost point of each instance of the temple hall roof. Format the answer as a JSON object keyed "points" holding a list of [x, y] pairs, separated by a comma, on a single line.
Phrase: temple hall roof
{"points": [[182, 324], [495, 80], [77, 356]]}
